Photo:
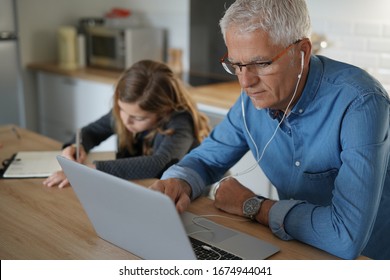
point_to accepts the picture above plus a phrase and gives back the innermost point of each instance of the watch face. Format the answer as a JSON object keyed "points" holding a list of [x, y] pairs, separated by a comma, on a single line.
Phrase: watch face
{"points": [[251, 206]]}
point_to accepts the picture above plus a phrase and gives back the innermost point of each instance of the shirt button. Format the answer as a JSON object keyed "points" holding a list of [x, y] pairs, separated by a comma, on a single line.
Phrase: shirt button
{"points": [[297, 163], [300, 111]]}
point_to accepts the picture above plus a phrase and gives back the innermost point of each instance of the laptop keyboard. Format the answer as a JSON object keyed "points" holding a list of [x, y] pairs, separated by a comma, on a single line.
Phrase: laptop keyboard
{"points": [[204, 251]]}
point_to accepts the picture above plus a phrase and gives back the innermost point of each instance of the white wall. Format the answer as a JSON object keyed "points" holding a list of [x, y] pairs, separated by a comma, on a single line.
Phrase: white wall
{"points": [[38, 21], [172, 15], [350, 9], [358, 32]]}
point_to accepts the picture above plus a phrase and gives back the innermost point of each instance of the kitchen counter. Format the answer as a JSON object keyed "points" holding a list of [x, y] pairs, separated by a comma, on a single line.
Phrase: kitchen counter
{"points": [[220, 95], [90, 74]]}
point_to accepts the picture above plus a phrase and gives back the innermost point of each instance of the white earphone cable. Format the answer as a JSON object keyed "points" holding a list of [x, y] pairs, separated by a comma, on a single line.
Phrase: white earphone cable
{"points": [[258, 158]]}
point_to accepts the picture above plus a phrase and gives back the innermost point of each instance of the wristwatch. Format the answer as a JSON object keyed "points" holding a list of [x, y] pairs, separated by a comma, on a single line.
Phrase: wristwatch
{"points": [[251, 206]]}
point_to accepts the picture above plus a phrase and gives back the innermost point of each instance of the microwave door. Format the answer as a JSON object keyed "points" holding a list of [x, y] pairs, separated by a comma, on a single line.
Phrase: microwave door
{"points": [[105, 49]]}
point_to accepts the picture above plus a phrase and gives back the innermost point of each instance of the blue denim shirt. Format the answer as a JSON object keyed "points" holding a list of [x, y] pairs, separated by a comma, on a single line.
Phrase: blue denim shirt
{"points": [[328, 161]]}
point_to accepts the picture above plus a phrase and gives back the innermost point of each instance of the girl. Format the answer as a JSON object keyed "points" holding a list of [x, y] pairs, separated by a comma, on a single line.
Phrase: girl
{"points": [[155, 120]]}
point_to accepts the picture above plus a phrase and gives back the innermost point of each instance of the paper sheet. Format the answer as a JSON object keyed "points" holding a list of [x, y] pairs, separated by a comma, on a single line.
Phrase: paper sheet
{"points": [[37, 164]]}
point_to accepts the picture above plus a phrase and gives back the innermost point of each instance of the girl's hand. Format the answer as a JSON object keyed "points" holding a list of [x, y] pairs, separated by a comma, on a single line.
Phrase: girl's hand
{"points": [[70, 153], [57, 178]]}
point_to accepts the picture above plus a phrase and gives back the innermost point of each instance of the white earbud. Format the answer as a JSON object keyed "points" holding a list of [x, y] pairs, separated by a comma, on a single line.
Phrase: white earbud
{"points": [[302, 62]]}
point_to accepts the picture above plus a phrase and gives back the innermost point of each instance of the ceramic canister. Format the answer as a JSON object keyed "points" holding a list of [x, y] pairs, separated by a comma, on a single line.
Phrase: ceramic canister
{"points": [[67, 47]]}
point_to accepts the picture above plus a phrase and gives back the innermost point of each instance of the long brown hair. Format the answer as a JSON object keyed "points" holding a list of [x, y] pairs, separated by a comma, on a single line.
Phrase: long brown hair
{"points": [[155, 88]]}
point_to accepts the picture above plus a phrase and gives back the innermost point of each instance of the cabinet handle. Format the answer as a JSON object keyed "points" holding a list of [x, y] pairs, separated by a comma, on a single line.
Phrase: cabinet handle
{"points": [[69, 81]]}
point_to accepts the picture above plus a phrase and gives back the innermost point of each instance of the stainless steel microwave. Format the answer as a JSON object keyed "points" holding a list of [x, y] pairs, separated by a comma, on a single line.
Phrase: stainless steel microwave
{"points": [[119, 48]]}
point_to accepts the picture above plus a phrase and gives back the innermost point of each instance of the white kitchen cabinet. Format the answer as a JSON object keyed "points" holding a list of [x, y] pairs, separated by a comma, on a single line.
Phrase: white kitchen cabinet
{"points": [[66, 104]]}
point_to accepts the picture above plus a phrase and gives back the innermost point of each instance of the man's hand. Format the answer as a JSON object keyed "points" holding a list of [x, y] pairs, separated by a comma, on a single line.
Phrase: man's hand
{"points": [[231, 195], [178, 190]]}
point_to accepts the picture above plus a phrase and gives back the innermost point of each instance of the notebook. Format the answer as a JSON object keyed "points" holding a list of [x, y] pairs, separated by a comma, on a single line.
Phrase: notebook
{"points": [[145, 222], [32, 164]]}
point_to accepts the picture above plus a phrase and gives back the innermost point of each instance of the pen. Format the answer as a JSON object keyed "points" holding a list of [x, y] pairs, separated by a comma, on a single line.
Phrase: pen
{"points": [[78, 140]]}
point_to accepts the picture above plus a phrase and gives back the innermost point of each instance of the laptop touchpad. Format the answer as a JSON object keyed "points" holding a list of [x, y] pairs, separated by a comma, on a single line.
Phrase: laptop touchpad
{"points": [[206, 230]]}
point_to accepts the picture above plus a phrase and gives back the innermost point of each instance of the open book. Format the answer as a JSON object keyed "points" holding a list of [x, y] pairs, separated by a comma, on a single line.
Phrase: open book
{"points": [[36, 164]]}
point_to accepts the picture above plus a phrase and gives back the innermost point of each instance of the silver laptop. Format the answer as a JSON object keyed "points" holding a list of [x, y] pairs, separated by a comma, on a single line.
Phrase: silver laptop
{"points": [[145, 222]]}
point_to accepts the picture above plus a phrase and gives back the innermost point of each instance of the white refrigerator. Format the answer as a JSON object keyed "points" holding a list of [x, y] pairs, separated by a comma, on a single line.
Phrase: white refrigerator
{"points": [[11, 90]]}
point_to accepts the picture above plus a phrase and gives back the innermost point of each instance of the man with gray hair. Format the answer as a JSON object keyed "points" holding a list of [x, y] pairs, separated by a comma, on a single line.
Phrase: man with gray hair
{"points": [[318, 128]]}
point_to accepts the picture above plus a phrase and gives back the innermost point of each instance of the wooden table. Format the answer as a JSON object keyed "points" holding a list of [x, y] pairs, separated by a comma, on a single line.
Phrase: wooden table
{"points": [[37, 222]]}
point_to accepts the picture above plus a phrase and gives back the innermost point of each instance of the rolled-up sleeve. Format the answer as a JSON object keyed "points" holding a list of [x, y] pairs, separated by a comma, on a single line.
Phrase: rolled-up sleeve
{"points": [[188, 175], [277, 215]]}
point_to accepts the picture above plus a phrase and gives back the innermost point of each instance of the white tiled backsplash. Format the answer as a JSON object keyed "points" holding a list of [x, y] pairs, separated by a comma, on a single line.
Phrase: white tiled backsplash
{"points": [[362, 43]]}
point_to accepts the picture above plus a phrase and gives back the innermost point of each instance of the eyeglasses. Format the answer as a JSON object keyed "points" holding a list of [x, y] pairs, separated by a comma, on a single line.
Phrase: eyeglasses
{"points": [[259, 68]]}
